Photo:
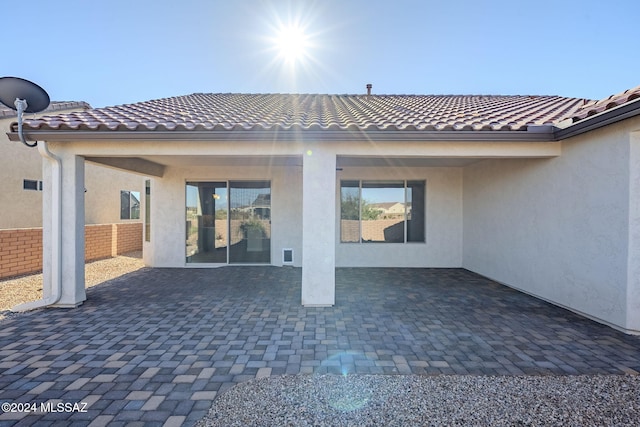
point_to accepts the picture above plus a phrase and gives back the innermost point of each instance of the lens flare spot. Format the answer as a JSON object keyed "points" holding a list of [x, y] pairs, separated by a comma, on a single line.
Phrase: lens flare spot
{"points": [[346, 392]]}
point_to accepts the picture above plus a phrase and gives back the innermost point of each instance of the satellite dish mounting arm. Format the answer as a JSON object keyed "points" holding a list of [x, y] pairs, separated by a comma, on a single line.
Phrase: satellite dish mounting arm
{"points": [[21, 105], [24, 97]]}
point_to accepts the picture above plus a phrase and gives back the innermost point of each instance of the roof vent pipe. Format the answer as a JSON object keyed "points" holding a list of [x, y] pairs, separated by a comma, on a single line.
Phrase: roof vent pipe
{"points": [[369, 86]]}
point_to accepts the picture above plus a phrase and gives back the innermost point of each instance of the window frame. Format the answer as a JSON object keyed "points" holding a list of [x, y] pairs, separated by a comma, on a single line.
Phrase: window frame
{"points": [[131, 207], [147, 210], [408, 213], [32, 185], [232, 186]]}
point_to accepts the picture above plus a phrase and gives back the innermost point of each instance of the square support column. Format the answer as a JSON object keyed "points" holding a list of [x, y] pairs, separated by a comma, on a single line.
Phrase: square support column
{"points": [[633, 255], [318, 226], [63, 231]]}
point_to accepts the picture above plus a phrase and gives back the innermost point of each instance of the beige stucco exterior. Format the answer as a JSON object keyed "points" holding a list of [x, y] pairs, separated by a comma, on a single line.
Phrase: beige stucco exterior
{"points": [[563, 229], [18, 208], [21, 208], [443, 243], [557, 219]]}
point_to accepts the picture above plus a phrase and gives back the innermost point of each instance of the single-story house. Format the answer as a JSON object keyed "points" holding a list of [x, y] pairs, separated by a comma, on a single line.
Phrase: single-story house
{"points": [[541, 193]]}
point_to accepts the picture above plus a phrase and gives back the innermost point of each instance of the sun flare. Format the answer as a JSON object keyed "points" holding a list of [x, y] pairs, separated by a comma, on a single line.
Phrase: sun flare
{"points": [[292, 43]]}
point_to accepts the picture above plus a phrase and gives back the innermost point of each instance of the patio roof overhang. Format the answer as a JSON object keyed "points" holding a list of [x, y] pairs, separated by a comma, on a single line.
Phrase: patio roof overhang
{"points": [[292, 134], [149, 152]]}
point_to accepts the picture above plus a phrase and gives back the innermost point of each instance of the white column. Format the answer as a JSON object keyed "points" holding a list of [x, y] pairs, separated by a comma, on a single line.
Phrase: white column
{"points": [[50, 185], [633, 255], [318, 226], [70, 240]]}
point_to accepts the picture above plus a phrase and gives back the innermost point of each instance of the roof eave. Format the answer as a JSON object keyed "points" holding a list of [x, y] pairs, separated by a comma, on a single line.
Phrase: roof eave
{"points": [[605, 118], [536, 134]]}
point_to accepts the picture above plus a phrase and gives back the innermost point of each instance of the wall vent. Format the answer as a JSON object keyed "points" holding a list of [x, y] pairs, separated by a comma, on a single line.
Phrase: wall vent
{"points": [[287, 256]]}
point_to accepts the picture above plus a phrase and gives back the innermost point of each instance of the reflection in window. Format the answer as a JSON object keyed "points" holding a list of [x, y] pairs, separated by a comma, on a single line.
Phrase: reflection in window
{"points": [[415, 221], [250, 221], [382, 211], [147, 210], [129, 205], [228, 222], [206, 215], [349, 211]]}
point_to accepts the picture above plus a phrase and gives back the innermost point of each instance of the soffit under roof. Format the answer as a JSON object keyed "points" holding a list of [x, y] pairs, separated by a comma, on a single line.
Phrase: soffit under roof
{"points": [[341, 161]]}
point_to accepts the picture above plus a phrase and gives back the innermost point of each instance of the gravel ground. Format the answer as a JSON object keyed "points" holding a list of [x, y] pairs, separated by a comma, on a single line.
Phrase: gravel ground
{"points": [[394, 400], [29, 288]]}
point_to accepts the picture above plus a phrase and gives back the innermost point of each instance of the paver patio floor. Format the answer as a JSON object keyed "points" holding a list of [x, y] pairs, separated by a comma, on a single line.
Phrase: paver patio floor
{"points": [[156, 346]]}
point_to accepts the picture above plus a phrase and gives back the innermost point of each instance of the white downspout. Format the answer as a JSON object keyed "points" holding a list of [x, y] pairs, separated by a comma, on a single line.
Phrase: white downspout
{"points": [[56, 232]]}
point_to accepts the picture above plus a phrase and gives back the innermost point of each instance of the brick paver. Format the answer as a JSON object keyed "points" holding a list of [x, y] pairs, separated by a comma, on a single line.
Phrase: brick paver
{"points": [[155, 347]]}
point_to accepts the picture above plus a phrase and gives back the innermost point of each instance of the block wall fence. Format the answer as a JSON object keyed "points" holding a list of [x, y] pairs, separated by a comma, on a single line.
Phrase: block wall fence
{"points": [[21, 249]]}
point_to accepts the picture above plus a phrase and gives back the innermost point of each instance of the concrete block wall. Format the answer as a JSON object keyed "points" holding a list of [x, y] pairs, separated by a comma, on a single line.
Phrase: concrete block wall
{"points": [[21, 249], [127, 238], [98, 241]]}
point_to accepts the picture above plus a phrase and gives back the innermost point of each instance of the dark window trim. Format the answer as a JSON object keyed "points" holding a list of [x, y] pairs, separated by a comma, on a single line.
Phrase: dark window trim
{"points": [[407, 229]]}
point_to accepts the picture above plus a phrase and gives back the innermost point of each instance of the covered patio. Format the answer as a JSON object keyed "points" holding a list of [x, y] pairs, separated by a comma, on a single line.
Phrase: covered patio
{"points": [[160, 345], [538, 193]]}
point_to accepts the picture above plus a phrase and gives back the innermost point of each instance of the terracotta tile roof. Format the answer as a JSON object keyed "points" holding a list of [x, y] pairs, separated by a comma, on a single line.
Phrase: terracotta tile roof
{"points": [[212, 112], [592, 108], [54, 106]]}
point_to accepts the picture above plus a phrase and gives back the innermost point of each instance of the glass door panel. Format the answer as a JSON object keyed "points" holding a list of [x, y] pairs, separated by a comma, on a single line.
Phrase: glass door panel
{"points": [[207, 216], [250, 222]]}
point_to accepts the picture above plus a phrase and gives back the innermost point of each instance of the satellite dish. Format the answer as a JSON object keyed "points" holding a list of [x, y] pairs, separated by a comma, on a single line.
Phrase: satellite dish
{"points": [[23, 96], [12, 88]]}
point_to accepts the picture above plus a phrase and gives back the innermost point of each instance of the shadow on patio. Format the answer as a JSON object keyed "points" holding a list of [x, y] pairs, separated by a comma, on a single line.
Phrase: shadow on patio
{"points": [[159, 345]]}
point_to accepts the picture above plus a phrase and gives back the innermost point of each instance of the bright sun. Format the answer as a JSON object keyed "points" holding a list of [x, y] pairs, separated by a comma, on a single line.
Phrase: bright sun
{"points": [[292, 43]]}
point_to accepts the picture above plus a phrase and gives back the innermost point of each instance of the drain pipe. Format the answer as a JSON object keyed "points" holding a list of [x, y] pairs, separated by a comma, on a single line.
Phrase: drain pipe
{"points": [[56, 232]]}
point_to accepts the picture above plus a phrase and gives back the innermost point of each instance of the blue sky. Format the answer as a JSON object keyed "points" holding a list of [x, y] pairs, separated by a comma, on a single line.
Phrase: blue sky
{"points": [[114, 52]]}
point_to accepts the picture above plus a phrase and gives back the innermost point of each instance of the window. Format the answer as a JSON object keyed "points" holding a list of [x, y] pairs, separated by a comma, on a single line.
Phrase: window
{"points": [[147, 210], [129, 205], [382, 211], [228, 222], [32, 184]]}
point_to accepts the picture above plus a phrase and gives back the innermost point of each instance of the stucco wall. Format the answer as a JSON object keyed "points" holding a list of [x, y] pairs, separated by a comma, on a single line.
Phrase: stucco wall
{"points": [[443, 247], [21, 208], [556, 228], [102, 198], [167, 248]]}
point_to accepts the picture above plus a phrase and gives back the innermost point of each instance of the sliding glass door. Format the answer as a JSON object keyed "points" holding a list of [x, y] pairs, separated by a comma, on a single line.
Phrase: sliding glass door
{"points": [[207, 213], [228, 222], [250, 222]]}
